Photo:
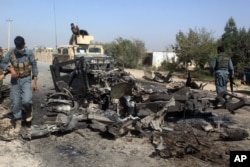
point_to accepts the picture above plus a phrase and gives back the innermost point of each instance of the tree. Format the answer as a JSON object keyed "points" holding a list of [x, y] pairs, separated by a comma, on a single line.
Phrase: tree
{"points": [[125, 51], [140, 50], [237, 44], [229, 37], [195, 46], [240, 56]]}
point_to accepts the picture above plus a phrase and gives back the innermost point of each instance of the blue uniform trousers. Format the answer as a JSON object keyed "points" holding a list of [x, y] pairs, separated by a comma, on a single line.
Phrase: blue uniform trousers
{"points": [[20, 96], [221, 79]]}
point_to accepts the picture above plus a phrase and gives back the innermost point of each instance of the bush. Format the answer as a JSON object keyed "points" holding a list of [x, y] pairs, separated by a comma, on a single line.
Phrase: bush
{"points": [[166, 66]]}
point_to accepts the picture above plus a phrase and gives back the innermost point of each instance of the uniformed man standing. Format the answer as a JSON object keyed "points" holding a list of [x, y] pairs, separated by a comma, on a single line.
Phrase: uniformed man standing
{"points": [[222, 68], [23, 70]]}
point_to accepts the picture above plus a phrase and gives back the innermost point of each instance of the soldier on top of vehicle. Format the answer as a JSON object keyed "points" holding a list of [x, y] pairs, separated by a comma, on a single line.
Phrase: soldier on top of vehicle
{"points": [[75, 32]]}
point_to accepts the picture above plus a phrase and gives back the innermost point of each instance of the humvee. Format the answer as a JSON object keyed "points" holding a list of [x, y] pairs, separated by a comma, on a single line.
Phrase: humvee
{"points": [[81, 46], [82, 67]]}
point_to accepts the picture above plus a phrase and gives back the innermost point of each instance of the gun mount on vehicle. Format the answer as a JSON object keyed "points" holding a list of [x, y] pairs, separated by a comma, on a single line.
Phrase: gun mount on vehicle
{"points": [[79, 46]]}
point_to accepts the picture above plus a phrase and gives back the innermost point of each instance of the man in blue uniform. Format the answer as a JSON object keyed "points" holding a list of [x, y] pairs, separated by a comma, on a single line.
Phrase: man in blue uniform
{"points": [[23, 71], [222, 68]]}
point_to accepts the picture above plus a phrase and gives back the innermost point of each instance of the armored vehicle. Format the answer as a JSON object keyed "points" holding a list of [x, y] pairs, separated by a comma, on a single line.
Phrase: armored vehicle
{"points": [[82, 66], [79, 47]]}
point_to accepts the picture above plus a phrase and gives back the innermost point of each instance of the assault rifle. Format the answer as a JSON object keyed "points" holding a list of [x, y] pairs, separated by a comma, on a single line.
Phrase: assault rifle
{"points": [[232, 83]]}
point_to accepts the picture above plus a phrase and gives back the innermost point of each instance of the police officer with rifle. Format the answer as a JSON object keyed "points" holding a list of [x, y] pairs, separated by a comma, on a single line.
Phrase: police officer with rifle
{"points": [[222, 68]]}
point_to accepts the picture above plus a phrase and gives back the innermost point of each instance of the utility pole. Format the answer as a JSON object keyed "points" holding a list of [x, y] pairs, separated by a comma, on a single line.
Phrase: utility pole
{"points": [[9, 23], [55, 24]]}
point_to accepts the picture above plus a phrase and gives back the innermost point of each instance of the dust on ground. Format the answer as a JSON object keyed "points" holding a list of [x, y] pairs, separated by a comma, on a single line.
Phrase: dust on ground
{"points": [[84, 147]]}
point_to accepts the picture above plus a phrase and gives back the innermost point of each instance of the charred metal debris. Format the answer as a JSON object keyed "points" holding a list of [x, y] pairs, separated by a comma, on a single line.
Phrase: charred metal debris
{"points": [[90, 88], [91, 93]]}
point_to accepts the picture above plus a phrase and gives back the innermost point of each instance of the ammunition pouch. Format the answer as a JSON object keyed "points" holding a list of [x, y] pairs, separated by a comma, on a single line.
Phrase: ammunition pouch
{"points": [[23, 69]]}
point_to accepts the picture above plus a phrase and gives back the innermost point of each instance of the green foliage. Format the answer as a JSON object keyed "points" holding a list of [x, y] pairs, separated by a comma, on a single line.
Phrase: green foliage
{"points": [[130, 53], [197, 45], [237, 44], [167, 66], [229, 37]]}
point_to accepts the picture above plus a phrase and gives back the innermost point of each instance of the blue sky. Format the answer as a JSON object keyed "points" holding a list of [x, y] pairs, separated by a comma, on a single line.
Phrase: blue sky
{"points": [[155, 22]]}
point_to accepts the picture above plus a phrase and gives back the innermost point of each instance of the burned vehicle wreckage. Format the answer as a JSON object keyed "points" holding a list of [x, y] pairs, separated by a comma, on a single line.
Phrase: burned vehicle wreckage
{"points": [[91, 91]]}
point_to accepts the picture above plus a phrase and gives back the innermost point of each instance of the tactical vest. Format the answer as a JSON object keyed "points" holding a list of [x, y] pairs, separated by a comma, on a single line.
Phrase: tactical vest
{"points": [[222, 62], [23, 69]]}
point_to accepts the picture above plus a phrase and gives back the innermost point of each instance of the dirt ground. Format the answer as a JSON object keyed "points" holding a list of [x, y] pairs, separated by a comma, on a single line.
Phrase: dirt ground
{"points": [[87, 148]]}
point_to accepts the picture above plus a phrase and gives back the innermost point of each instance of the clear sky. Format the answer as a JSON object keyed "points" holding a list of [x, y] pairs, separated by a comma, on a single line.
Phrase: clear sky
{"points": [[155, 22]]}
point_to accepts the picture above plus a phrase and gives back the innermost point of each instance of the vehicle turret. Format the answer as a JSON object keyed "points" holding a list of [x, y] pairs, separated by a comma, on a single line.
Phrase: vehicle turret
{"points": [[80, 44]]}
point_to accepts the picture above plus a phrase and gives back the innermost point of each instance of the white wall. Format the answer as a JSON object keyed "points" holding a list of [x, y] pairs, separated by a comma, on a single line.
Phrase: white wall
{"points": [[159, 57]]}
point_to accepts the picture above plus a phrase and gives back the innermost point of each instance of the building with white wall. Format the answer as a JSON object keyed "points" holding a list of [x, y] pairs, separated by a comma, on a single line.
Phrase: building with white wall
{"points": [[155, 59]]}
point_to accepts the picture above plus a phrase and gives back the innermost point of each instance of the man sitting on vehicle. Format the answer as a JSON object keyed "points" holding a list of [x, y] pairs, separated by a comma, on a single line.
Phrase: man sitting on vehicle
{"points": [[75, 30]]}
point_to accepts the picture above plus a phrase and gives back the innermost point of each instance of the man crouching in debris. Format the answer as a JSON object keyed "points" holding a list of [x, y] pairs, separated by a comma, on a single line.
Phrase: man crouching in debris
{"points": [[22, 65], [222, 67]]}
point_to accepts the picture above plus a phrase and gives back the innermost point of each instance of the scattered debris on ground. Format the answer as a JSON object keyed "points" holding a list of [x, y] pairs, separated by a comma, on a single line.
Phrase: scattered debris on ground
{"points": [[178, 121]]}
